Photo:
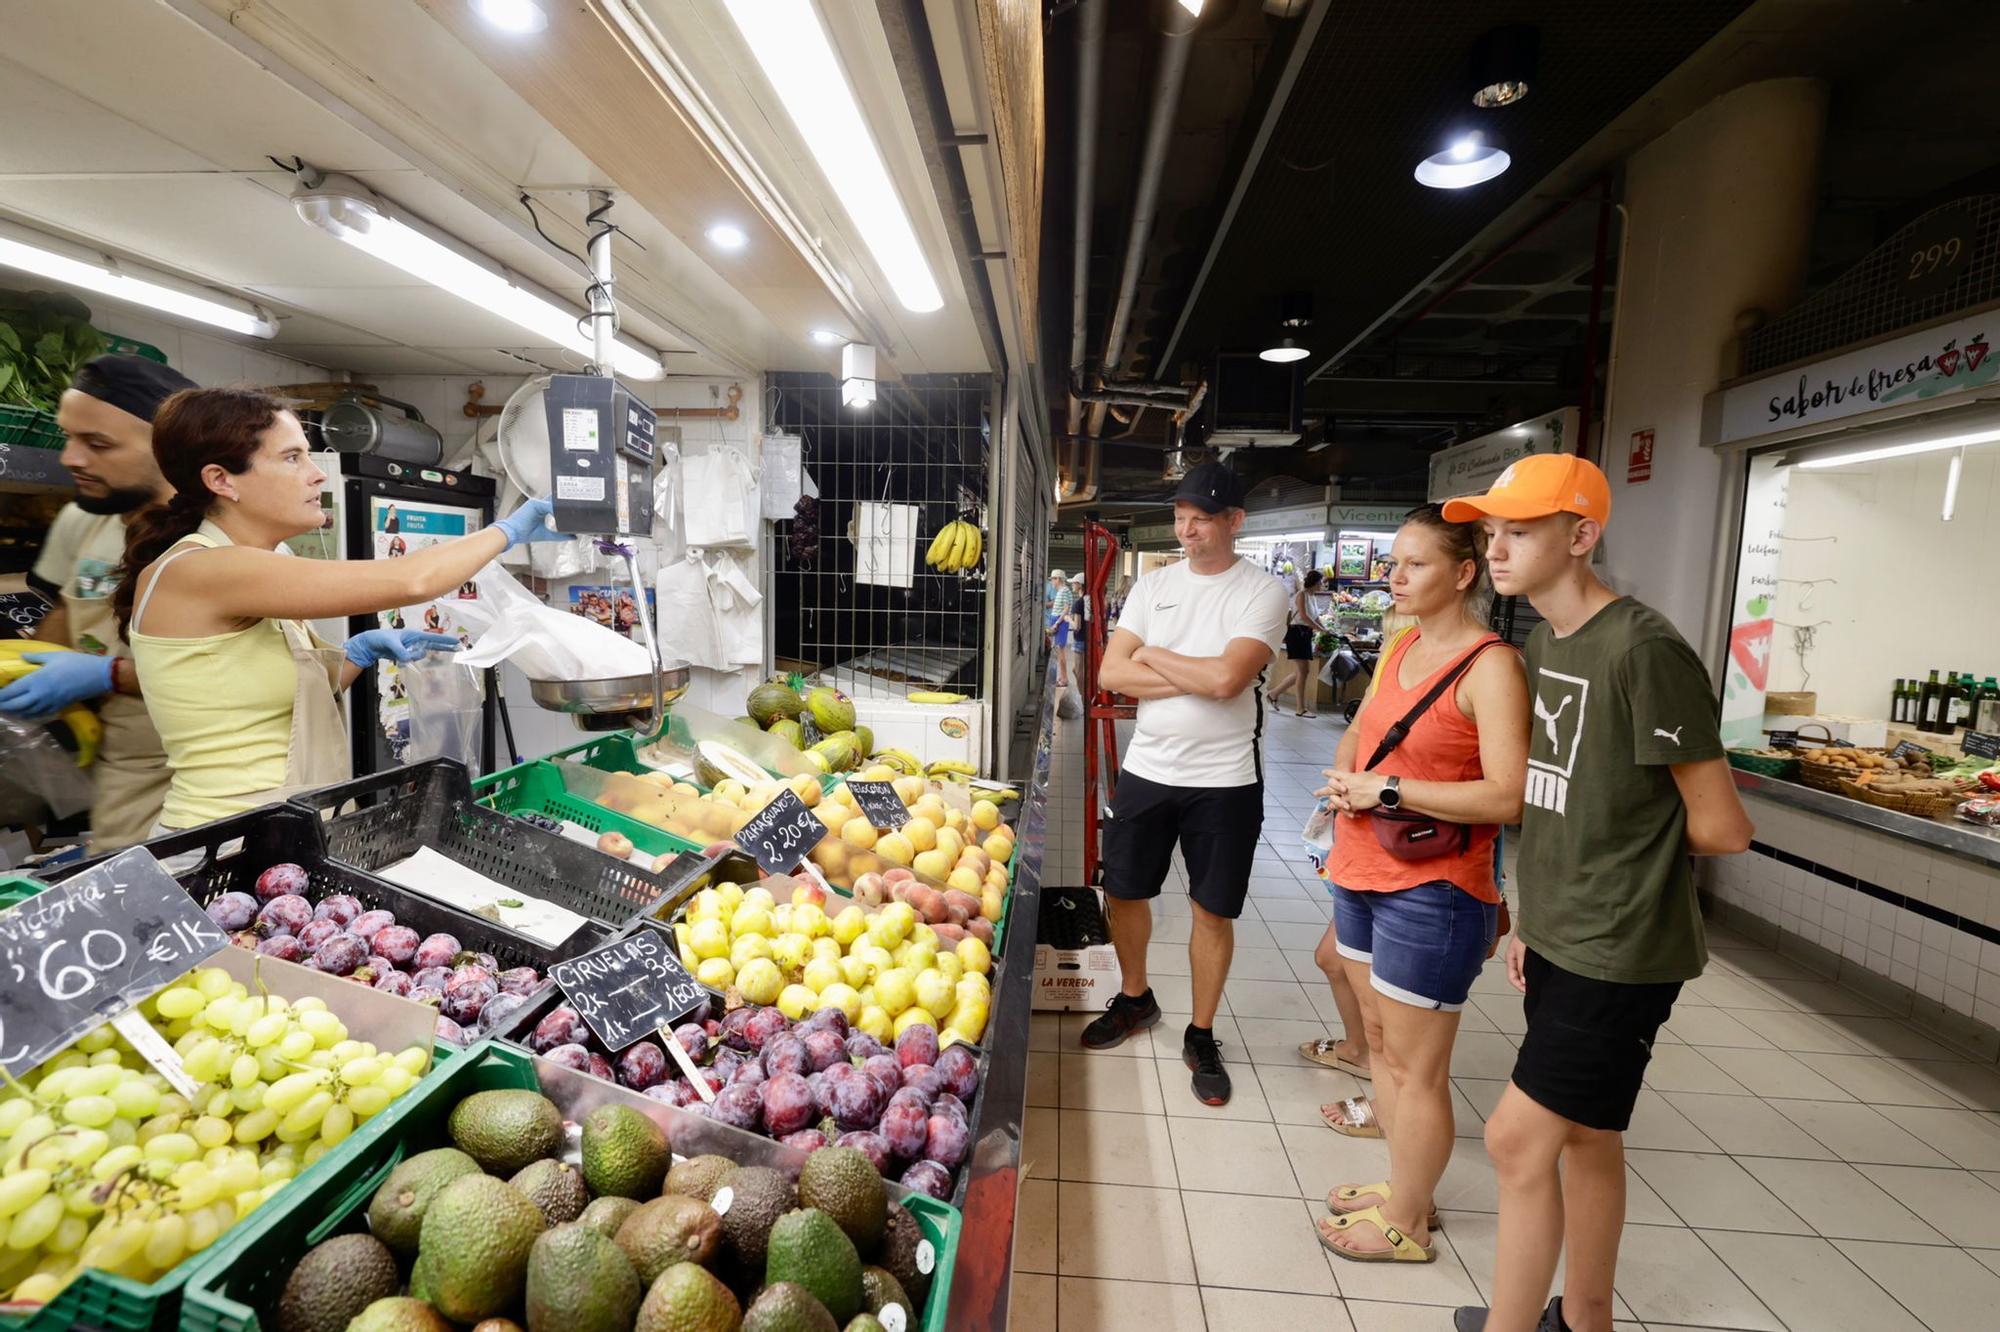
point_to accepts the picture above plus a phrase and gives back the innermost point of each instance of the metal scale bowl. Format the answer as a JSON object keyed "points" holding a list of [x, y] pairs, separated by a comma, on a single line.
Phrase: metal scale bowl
{"points": [[619, 702]]}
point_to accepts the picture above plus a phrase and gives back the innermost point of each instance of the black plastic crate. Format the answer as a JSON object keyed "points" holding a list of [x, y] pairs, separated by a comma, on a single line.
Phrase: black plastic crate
{"points": [[375, 821]]}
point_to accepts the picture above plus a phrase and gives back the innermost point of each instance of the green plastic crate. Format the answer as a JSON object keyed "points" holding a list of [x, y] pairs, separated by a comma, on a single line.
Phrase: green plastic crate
{"points": [[537, 787], [18, 888], [240, 1283], [112, 1303], [30, 427]]}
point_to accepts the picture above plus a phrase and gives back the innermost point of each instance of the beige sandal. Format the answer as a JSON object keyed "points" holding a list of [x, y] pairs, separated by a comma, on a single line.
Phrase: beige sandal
{"points": [[1326, 1053], [1353, 1117], [1402, 1248], [1352, 1194]]}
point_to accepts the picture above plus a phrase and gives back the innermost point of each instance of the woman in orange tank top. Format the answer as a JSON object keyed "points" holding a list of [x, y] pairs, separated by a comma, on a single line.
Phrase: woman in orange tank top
{"points": [[1412, 933]]}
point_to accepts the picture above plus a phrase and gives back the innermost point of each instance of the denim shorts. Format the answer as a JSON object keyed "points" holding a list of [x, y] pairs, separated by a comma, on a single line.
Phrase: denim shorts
{"points": [[1424, 946]]}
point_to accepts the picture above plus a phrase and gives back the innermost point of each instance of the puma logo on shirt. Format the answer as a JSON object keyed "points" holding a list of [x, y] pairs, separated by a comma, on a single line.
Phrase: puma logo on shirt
{"points": [[1549, 719], [1551, 765], [1673, 735]]}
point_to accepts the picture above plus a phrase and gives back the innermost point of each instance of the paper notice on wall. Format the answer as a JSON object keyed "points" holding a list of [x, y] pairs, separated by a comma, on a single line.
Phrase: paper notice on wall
{"points": [[1747, 673], [885, 544]]}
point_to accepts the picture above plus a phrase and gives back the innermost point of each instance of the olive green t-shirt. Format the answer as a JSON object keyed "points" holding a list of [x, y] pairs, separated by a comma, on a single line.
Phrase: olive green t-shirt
{"points": [[1606, 887]]}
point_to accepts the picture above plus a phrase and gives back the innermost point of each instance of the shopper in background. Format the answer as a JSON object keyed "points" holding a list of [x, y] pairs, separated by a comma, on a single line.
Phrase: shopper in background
{"points": [[1626, 779], [1443, 735], [1056, 623], [245, 699], [1192, 647], [1300, 631], [106, 416]]}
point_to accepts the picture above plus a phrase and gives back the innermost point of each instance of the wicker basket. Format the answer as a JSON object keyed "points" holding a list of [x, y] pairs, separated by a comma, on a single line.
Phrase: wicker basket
{"points": [[1924, 807], [1826, 777], [1783, 769]]}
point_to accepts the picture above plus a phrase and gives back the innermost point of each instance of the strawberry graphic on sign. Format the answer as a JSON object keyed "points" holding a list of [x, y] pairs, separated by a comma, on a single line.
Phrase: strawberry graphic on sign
{"points": [[1750, 646], [1975, 352], [1947, 360]]}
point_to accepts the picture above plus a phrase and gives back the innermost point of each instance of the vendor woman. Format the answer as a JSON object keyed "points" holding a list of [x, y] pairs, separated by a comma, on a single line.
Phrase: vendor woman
{"points": [[246, 700]]}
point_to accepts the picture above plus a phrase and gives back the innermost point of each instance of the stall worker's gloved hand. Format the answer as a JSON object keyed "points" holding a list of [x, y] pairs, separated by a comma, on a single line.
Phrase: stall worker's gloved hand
{"points": [[530, 522], [365, 649], [62, 678]]}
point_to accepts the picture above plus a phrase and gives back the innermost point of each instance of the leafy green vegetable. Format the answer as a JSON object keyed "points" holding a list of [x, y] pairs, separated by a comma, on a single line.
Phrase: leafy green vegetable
{"points": [[45, 337]]}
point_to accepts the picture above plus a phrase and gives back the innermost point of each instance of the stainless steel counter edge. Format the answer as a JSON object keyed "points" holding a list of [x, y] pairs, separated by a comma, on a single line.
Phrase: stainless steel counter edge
{"points": [[981, 1277], [1968, 840]]}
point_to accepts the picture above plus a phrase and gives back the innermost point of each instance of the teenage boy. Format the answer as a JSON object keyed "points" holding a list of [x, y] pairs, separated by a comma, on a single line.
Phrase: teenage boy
{"points": [[1191, 646], [1626, 780]]}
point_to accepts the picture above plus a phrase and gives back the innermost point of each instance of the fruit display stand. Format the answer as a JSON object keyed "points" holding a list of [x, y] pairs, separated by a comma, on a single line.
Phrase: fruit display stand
{"points": [[237, 1290], [537, 787], [115, 1303]]}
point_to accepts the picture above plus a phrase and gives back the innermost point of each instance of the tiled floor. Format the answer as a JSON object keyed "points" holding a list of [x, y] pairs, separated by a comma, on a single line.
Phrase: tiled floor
{"points": [[1799, 1161]]}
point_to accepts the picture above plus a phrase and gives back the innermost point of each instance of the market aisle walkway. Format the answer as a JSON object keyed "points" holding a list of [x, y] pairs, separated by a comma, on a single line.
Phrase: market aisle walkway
{"points": [[1800, 1161]]}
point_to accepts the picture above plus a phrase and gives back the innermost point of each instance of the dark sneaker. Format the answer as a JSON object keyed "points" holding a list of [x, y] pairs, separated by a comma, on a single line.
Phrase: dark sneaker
{"points": [[1200, 1052], [1472, 1318], [1122, 1016]]}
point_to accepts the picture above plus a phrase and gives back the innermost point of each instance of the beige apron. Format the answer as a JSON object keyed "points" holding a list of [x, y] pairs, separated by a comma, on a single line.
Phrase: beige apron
{"points": [[318, 753], [130, 774]]}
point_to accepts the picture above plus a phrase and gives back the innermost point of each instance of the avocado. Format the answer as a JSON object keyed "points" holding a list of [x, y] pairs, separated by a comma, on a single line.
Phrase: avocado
{"points": [[605, 1215], [762, 1195], [396, 1213], [555, 1187], [670, 1229], [699, 1176], [879, 1290], [902, 1238], [843, 1183], [625, 1154], [476, 1239], [399, 1313], [335, 1281], [786, 1306], [864, 1323], [506, 1130], [809, 1247], [579, 1281], [422, 1281], [686, 1298]]}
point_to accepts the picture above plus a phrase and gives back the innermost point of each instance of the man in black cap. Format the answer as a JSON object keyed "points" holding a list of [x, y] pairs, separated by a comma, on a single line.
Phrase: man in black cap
{"points": [[106, 415], [1191, 646]]}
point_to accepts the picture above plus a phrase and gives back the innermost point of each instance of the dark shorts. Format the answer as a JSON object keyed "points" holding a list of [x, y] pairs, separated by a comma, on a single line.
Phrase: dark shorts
{"points": [[1217, 828], [1588, 1043], [1299, 642]]}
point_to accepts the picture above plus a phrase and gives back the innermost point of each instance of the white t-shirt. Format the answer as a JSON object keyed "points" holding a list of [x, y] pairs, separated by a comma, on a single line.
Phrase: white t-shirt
{"points": [[1202, 742]]}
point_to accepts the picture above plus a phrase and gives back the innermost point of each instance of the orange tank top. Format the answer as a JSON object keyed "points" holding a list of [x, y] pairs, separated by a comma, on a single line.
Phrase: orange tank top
{"points": [[1442, 747]]}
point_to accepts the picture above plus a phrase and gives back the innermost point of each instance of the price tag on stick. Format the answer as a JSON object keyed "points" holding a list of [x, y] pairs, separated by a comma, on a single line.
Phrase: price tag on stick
{"points": [[881, 805], [781, 834], [629, 987], [680, 1056], [1981, 745], [78, 953], [1784, 739]]}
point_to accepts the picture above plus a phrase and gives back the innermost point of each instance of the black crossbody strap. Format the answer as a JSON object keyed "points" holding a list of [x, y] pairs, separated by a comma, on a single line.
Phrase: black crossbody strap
{"points": [[1401, 730]]}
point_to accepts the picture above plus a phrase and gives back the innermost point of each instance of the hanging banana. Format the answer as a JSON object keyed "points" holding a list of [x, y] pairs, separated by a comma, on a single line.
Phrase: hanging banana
{"points": [[956, 547]]}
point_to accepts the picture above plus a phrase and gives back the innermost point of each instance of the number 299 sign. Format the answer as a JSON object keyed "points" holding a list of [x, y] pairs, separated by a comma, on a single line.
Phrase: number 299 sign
{"points": [[78, 953]]}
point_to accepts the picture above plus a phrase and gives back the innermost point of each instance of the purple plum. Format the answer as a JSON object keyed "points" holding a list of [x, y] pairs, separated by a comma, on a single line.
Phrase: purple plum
{"points": [[284, 915], [500, 1011], [807, 1140], [750, 1075], [570, 1055], [788, 1104], [282, 880], [317, 931], [393, 982], [519, 980], [693, 1037], [947, 1104], [600, 1068], [642, 1065], [398, 943], [928, 1177], [447, 1030], [923, 1078], [917, 1045], [763, 1025], [733, 1024], [677, 1092], [959, 1068], [284, 947], [725, 1065], [342, 954], [860, 1045], [886, 1073], [426, 994], [825, 1019], [343, 909], [466, 993], [855, 1099], [233, 911], [786, 1053], [368, 923], [824, 1049], [562, 1025], [946, 1140], [872, 1145], [439, 950], [905, 1126], [739, 1106], [432, 978]]}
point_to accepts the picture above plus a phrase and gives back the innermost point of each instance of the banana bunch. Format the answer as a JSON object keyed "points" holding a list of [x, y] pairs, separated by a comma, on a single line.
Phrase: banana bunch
{"points": [[934, 696], [956, 548], [76, 727], [951, 768], [902, 761]]}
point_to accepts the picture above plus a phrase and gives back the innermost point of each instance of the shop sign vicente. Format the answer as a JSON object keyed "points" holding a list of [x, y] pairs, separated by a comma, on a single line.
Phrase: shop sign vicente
{"points": [[1935, 362]]}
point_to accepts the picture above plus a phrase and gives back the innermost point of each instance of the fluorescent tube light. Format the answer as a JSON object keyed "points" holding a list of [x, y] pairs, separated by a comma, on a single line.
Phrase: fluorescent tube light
{"points": [[1951, 484], [1898, 450], [349, 210], [76, 265], [792, 49]]}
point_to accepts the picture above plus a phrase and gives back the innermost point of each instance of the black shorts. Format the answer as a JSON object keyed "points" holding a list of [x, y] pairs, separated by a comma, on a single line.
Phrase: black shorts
{"points": [[1299, 642], [1217, 828], [1588, 1043]]}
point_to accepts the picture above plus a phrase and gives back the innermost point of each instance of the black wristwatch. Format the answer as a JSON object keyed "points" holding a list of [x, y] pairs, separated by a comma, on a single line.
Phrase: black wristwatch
{"points": [[1392, 794]]}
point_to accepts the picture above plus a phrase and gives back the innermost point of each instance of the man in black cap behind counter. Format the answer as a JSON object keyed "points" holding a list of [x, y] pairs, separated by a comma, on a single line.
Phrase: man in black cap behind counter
{"points": [[106, 416], [1191, 645]]}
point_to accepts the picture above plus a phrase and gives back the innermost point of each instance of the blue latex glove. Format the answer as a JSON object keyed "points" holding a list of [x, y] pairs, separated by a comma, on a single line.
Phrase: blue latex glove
{"points": [[530, 523], [64, 678], [365, 649]]}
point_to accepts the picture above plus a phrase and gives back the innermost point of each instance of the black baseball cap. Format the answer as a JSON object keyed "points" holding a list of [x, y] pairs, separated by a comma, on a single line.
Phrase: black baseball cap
{"points": [[1211, 487], [132, 384]]}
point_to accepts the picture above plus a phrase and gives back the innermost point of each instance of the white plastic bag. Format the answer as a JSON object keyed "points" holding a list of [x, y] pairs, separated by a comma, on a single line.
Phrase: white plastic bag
{"points": [[781, 464], [736, 599], [445, 705], [718, 497], [687, 624], [509, 623]]}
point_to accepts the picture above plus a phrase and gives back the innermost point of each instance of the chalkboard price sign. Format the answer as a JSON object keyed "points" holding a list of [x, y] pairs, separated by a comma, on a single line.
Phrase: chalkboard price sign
{"points": [[1784, 739], [629, 987], [76, 954], [20, 612], [782, 833], [880, 803], [1909, 749], [1981, 745]]}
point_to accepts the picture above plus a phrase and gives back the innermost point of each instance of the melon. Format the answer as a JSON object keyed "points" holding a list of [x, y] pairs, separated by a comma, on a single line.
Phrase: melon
{"points": [[716, 763], [840, 751], [769, 702], [788, 731], [831, 710], [865, 737]]}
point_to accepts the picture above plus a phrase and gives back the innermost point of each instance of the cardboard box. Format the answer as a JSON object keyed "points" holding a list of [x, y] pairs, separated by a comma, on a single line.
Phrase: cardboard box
{"points": [[1075, 980], [931, 731]]}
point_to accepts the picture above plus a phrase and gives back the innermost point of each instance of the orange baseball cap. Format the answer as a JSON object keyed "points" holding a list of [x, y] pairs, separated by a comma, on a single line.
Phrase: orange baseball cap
{"points": [[1537, 486]]}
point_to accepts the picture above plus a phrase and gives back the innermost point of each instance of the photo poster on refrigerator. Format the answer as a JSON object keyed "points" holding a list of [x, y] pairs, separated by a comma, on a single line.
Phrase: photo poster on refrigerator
{"points": [[403, 527], [612, 607]]}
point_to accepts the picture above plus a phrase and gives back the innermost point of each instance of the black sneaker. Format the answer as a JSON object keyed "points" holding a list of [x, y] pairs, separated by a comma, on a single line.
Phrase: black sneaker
{"points": [[1472, 1318], [1122, 1016], [1200, 1052]]}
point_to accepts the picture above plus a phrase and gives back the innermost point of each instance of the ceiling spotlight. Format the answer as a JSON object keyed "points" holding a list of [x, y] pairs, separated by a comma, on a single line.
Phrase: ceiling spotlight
{"points": [[857, 374], [1296, 316], [826, 337], [1467, 160], [1286, 351], [516, 16], [1192, 6], [727, 236], [1503, 64]]}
